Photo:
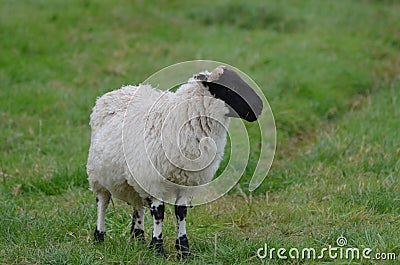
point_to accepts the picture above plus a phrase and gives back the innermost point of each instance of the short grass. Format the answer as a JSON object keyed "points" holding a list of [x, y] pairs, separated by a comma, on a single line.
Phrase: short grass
{"points": [[329, 69]]}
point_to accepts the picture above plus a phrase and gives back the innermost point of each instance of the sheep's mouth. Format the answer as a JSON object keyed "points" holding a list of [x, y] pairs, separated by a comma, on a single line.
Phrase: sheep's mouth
{"points": [[248, 115]]}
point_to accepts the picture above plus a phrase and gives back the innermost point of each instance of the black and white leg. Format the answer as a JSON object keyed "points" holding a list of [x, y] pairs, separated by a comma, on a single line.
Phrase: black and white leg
{"points": [[102, 201], [182, 243], [157, 212], [137, 229]]}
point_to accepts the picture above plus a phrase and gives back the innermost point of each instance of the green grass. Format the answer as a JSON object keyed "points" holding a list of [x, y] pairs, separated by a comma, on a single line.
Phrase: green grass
{"points": [[329, 70]]}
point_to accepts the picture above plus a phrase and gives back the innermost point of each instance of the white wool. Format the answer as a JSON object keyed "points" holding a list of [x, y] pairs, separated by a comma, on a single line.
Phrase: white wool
{"points": [[180, 136]]}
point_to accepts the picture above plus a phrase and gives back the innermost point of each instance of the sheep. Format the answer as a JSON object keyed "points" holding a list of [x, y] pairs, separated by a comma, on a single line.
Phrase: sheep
{"points": [[128, 153]]}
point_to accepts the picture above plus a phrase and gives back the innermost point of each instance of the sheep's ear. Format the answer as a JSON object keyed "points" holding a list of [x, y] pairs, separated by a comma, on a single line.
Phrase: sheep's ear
{"points": [[200, 77], [228, 86]]}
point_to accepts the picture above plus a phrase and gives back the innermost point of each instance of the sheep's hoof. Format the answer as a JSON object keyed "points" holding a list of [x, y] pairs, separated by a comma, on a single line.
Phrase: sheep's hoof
{"points": [[182, 246], [157, 244], [138, 234], [98, 236]]}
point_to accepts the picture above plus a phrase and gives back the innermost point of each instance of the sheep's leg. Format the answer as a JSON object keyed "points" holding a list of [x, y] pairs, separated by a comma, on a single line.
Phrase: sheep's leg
{"points": [[181, 243], [137, 229], [157, 211], [102, 201]]}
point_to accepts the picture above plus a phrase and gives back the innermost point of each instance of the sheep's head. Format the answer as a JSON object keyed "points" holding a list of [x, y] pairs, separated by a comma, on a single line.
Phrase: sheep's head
{"points": [[227, 85]]}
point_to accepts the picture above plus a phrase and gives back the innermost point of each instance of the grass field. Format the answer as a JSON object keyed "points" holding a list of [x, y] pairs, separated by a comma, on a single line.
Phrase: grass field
{"points": [[331, 73]]}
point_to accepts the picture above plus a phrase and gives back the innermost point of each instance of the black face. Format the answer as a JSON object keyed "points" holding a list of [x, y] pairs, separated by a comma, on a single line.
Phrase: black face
{"points": [[241, 99]]}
